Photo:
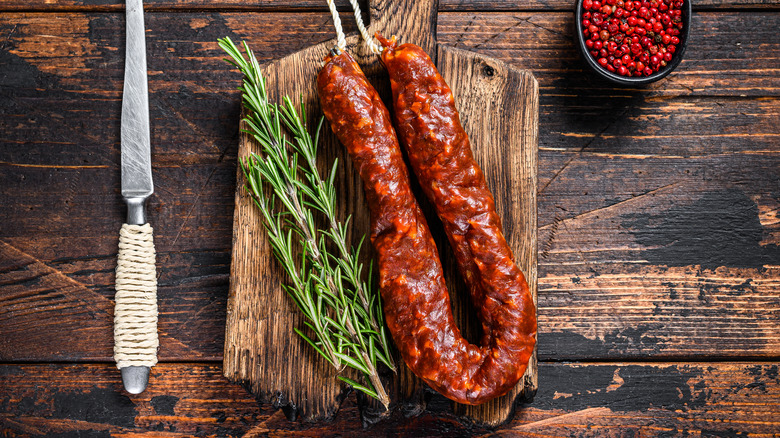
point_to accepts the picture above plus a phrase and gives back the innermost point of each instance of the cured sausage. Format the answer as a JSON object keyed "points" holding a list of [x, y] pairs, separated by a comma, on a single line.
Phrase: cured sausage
{"points": [[440, 154], [415, 299]]}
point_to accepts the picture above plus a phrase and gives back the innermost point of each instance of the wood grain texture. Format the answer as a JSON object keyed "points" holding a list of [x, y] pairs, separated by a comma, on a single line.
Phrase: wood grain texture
{"points": [[184, 55], [601, 150], [343, 5], [504, 134], [546, 5], [261, 349], [659, 204], [173, 5], [583, 400], [719, 60]]}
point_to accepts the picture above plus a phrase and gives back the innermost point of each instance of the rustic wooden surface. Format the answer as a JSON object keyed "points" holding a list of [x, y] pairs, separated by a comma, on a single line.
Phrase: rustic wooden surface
{"points": [[659, 276], [259, 349], [499, 107]]}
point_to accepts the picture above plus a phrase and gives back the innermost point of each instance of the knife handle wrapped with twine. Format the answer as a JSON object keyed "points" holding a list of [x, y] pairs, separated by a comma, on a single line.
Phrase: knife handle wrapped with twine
{"points": [[135, 315]]}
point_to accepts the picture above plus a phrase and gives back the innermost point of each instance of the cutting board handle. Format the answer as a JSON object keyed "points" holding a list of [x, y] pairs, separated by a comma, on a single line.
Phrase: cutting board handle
{"points": [[412, 20]]}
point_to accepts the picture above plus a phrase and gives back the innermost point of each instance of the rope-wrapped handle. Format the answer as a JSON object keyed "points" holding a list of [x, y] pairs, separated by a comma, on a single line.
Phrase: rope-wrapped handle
{"points": [[135, 315]]}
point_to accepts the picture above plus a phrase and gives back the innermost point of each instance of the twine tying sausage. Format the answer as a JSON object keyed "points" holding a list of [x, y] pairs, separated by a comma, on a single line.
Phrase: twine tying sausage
{"points": [[135, 315], [341, 42], [372, 46]]}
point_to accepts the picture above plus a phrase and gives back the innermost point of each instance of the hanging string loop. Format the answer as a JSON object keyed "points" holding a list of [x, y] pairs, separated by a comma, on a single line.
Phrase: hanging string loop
{"points": [[341, 41], [372, 45]]}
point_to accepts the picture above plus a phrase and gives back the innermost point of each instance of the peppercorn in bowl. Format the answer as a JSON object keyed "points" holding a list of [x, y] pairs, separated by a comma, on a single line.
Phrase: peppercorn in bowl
{"points": [[633, 42]]}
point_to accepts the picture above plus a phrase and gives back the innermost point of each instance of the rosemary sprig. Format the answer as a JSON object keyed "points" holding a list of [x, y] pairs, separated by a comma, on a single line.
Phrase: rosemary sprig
{"points": [[341, 308]]}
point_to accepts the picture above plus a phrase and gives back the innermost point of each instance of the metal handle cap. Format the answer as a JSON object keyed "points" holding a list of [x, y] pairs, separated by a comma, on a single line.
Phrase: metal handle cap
{"points": [[135, 379]]}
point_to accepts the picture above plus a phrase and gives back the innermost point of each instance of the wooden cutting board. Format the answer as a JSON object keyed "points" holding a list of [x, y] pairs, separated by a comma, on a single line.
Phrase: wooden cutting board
{"points": [[498, 106]]}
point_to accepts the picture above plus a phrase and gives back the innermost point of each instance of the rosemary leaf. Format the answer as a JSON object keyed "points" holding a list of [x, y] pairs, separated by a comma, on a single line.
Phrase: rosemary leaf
{"points": [[326, 279]]}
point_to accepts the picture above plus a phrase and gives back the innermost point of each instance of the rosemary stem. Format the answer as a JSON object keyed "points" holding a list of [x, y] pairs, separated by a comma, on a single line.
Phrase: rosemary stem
{"points": [[376, 382], [373, 375], [299, 284], [341, 309]]}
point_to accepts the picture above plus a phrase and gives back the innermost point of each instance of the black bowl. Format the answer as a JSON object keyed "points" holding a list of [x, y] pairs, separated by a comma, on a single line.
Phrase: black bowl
{"points": [[634, 80]]}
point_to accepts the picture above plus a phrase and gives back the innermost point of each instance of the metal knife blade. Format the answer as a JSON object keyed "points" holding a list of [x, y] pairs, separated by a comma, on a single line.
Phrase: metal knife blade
{"points": [[137, 182], [135, 137]]}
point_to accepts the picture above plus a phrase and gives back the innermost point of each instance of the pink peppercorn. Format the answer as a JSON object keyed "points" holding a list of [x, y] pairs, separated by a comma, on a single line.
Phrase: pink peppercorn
{"points": [[629, 37]]}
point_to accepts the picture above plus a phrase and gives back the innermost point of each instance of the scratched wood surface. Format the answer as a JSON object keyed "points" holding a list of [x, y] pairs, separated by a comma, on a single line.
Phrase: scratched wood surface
{"points": [[498, 104], [595, 399], [657, 219], [259, 349], [343, 5]]}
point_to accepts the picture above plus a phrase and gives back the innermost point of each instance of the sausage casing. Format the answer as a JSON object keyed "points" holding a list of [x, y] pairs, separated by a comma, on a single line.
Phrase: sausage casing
{"points": [[415, 299]]}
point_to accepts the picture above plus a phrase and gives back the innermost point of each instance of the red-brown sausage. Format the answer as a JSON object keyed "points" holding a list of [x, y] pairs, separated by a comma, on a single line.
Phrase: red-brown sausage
{"points": [[416, 302], [440, 155]]}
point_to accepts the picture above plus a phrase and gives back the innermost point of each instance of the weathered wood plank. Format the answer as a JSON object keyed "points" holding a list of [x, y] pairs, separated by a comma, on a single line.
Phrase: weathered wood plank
{"points": [[652, 400], [659, 310], [720, 61], [169, 5], [183, 399], [636, 126], [343, 5], [558, 5], [718, 53], [261, 350], [60, 102], [52, 313], [570, 188], [723, 399]]}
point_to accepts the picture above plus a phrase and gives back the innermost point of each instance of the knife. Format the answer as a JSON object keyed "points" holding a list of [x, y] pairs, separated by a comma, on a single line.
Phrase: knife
{"points": [[135, 314]]}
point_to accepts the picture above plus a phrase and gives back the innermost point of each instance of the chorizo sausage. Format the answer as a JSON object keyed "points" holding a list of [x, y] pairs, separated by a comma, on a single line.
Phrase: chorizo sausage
{"points": [[440, 154], [415, 299]]}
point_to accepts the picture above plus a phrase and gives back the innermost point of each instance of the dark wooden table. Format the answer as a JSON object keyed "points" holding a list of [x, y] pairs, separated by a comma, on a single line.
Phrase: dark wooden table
{"points": [[659, 223]]}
